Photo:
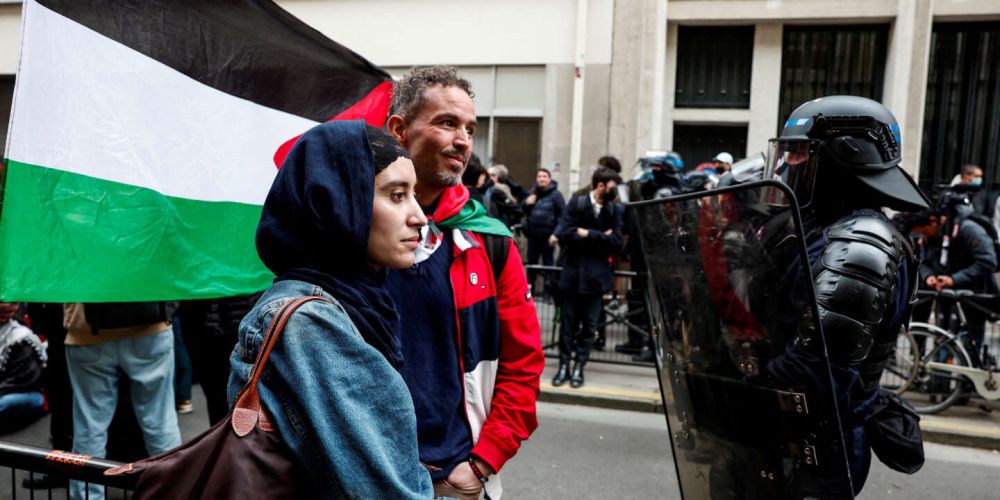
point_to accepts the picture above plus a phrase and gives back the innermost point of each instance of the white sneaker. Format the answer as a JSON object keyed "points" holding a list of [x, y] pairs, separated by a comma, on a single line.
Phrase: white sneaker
{"points": [[185, 407]]}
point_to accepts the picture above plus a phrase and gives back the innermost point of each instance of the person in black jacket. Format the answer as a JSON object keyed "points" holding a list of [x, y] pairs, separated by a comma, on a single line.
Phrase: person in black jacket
{"points": [[211, 328], [495, 197], [612, 163], [500, 175], [590, 232], [971, 176], [544, 207], [47, 321], [968, 264], [474, 178]]}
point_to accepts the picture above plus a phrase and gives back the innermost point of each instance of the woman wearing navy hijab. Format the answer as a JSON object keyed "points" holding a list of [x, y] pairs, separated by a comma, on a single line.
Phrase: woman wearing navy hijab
{"points": [[340, 212]]}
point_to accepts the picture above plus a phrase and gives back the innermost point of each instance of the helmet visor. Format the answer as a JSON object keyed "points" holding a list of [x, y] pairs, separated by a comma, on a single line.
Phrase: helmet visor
{"points": [[794, 163]]}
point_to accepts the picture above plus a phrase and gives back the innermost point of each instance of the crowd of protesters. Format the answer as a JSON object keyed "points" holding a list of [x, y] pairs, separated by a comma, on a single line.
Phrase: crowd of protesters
{"points": [[434, 391], [541, 216], [115, 376]]}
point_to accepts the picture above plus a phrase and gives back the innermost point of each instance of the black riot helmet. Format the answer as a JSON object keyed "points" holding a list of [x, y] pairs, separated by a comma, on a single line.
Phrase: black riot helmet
{"points": [[843, 148]]}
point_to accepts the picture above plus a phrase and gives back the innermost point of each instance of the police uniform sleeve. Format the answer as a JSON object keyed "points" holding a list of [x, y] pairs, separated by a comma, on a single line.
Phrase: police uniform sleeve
{"points": [[855, 281]]}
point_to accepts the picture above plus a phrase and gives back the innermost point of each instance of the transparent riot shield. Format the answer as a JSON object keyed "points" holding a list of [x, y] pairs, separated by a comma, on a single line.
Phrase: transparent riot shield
{"points": [[746, 384]]}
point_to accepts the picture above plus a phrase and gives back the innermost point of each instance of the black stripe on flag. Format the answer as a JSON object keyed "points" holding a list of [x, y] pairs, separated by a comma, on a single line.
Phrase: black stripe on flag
{"points": [[250, 49]]}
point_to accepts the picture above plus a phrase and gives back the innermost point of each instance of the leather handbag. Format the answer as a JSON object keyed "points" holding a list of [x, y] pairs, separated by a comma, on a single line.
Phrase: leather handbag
{"points": [[240, 457]]}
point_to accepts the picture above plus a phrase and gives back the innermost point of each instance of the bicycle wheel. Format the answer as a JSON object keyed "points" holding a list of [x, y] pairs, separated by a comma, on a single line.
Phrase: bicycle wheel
{"points": [[901, 369], [934, 390]]}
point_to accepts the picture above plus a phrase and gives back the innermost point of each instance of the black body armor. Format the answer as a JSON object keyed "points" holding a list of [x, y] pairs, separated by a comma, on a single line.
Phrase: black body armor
{"points": [[856, 281]]}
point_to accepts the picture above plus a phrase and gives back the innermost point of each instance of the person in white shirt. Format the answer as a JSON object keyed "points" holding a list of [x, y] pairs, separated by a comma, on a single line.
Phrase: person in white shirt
{"points": [[589, 233]]}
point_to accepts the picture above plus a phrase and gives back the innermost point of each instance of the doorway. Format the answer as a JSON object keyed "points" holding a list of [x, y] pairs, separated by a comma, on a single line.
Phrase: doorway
{"points": [[517, 144]]}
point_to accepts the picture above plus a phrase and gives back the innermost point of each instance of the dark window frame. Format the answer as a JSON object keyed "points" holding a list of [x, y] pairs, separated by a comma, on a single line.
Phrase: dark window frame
{"points": [[714, 66], [962, 104], [6, 81], [699, 143], [822, 60]]}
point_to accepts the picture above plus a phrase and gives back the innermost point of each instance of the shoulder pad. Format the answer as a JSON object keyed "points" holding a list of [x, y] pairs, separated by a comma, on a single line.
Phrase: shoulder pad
{"points": [[855, 281], [869, 228], [865, 247]]}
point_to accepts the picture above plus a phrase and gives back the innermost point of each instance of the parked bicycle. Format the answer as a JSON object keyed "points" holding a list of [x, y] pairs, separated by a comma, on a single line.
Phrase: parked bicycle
{"points": [[900, 371], [935, 366]]}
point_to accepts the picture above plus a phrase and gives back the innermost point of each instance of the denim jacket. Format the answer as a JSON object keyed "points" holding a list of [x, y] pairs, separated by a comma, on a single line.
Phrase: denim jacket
{"points": [[342, 410]]}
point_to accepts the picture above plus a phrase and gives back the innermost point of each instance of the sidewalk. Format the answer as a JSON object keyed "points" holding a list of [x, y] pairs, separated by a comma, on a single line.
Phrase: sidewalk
{"points": [[637, 389]]}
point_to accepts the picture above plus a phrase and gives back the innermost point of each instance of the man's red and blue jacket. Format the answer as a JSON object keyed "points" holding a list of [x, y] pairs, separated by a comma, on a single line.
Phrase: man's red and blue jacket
{"points": [[492, 345]]}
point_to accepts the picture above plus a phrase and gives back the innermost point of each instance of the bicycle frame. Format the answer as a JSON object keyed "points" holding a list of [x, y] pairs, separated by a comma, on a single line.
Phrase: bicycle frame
{"points": [[984, 381]]}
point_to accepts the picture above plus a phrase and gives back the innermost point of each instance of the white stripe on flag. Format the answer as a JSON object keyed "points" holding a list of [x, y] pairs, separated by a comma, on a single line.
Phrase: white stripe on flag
{"points": [[87, 104]]}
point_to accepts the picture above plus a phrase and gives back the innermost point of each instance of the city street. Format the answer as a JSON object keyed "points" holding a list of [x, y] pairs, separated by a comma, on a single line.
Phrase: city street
{"points": [[584, 452]]}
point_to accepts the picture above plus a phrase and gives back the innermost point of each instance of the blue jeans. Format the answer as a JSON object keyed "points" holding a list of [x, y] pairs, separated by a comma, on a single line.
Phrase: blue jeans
{"points": [[94, 371], [18, 409]]}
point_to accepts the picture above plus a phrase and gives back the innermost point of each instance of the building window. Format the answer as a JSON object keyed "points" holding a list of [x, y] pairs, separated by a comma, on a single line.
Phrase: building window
{"points": [[713, 66], [700, 143], [517, 144], [818, 61], [962, 109], [481, 140], [6, 98]]}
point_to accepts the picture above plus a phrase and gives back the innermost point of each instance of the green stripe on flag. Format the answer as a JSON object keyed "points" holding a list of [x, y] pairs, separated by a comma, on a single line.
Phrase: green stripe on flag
{"points": [[67, 237]]}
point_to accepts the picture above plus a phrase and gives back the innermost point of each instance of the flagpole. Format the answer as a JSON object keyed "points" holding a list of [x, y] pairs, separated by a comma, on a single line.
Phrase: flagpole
{"points": [[576, 130], [659, 75]]}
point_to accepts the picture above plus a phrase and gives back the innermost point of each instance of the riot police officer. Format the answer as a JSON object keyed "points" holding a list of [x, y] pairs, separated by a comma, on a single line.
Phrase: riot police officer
{"points": [[661, 175], [660, 178], [840, 155]]}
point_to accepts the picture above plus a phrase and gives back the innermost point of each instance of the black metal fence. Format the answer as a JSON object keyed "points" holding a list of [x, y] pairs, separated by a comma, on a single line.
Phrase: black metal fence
{"points": [[622, 331], [30, 463], [624, 320]]}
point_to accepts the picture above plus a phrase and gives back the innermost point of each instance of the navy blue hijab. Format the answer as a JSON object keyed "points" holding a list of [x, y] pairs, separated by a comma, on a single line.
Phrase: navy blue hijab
{"points": [[316, 221]]}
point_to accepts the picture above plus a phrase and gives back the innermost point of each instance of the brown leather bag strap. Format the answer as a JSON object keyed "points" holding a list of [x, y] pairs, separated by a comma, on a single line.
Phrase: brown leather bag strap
{"points": [[274, 329], [247, 410]]}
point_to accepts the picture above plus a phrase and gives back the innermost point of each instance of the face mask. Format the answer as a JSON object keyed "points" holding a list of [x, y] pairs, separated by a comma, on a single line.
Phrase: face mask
{"points": [[610, 196], [976, 181]]}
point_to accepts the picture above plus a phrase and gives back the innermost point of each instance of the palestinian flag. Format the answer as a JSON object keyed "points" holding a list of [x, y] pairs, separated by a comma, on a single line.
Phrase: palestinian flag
{"points": [[145, 135]]}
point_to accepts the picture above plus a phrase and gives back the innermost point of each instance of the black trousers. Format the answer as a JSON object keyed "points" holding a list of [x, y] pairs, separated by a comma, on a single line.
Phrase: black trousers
{"points": [[538, 247], [578, 311], [210, 360], [47, 319], [209, 348]]}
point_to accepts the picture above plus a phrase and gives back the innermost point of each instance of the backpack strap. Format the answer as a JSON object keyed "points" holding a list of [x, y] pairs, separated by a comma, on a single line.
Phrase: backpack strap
{"points": [[488, 201], [497, 250]]}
